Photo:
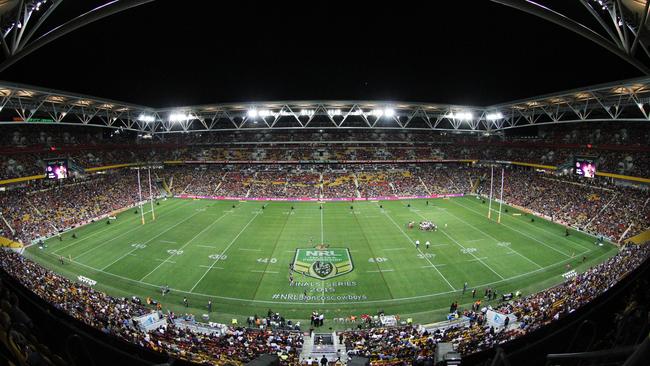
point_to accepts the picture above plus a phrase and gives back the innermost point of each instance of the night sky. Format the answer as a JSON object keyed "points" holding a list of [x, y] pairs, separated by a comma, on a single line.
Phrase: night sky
{"points": [[172, 53]]}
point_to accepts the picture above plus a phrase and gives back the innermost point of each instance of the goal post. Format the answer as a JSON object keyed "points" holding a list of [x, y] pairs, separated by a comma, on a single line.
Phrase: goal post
{"points": [[490, 199], [140, 197], [153, 213]]}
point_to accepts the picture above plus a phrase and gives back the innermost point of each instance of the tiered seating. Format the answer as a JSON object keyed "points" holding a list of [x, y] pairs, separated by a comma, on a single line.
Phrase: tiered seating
{"points": [[43, 210], [373, 184], [303, 184], [113, 316], [338, 184]]}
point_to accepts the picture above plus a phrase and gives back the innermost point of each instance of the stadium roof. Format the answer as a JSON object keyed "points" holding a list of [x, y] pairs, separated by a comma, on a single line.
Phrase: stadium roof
{"points": [[627, 100]]}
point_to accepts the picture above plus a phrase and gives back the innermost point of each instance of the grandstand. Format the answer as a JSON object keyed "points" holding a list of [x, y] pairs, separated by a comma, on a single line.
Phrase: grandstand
{"points": [[331, 232], [276, 176]]}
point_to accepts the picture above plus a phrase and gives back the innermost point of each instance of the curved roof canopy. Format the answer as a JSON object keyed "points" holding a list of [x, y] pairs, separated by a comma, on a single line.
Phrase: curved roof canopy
{"points": [[627, 100]]}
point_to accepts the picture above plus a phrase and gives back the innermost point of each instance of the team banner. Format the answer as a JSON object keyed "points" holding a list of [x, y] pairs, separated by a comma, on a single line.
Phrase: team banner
{"points": [[322, 263], [497, 319]]}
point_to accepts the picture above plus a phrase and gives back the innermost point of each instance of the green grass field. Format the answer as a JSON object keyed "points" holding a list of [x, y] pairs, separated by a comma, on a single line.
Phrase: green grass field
{"points": [[239, 257]]}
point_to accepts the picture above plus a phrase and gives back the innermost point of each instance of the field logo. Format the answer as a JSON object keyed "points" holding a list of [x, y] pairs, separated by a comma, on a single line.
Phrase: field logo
{"points": [[322, 262]]}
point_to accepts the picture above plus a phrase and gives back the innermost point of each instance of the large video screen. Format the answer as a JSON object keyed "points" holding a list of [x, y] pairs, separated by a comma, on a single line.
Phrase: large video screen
{"points": [[56, 169], [585, 167]]}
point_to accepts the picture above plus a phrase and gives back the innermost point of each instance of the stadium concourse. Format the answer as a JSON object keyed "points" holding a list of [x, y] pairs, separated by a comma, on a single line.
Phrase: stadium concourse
{"points": [[318, 166]]}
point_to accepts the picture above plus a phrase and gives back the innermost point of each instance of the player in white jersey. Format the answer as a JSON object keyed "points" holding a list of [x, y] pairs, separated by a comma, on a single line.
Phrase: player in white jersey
{"points": [[427, 244], [417, 244]]}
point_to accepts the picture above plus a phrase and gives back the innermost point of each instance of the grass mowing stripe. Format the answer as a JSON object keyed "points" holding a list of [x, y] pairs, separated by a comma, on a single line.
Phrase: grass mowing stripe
{"points": [[332, 303], [372, 253], [461, 245], [223, 252], [97, 232], [418, 249], [382, 234], [544, 230], [186, 244], [266, 266], [154, 237], [493, 238], [118, 236], [322, 241], [520, 232]]}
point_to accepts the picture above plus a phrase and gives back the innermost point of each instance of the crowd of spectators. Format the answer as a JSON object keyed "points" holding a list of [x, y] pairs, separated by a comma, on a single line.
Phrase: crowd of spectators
{"points": [[625, 151], [115, 316], [589, 204], [393, 346], [47, 207], [339, 184], [593, 205], [414, 344], [402, 345]]}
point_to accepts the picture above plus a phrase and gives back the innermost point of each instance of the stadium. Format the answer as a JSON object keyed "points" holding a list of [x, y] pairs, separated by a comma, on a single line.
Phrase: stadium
{"points": [[325, 231]]}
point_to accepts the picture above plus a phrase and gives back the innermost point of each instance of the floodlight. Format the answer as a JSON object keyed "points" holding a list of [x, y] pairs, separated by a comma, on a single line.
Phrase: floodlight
{"points": [[145, 118], [389, 112], [494, 116], [334, 112], [377, 112], [178, 117], [464, 116], [306, 112], [252, 113], [264, 113]]}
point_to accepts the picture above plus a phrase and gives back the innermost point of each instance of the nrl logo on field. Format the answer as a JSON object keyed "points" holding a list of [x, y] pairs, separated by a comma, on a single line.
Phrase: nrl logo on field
{"points": [[322, 262]]}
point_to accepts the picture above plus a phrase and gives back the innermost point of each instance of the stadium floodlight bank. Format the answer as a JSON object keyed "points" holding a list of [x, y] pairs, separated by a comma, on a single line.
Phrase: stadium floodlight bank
{"points": [[627, 100]]}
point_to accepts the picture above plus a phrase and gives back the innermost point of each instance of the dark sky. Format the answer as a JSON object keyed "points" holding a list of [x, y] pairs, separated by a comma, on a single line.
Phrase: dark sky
{"points": [[171, 53]]}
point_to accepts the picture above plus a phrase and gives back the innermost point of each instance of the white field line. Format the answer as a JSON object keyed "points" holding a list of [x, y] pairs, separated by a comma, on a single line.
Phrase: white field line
{"points": [[478, 259], [99, 232], [472, 254], [381, 270], [322, 231], [461, 245], [106, 242], [164, 261], [322, 240], [186, 244], [150, 240], [331, 303], [493, 238], [250, 250], [392, 249], [206, 246], [222, 253], [113, 238], [258, 271], [533, 226], [169, 242], [418, 249], [520, 232], [211, 267]]}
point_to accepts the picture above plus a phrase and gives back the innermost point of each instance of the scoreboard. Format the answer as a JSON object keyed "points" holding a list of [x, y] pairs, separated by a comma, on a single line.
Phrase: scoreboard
{"points": [[585, 166], [56, 169]]}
